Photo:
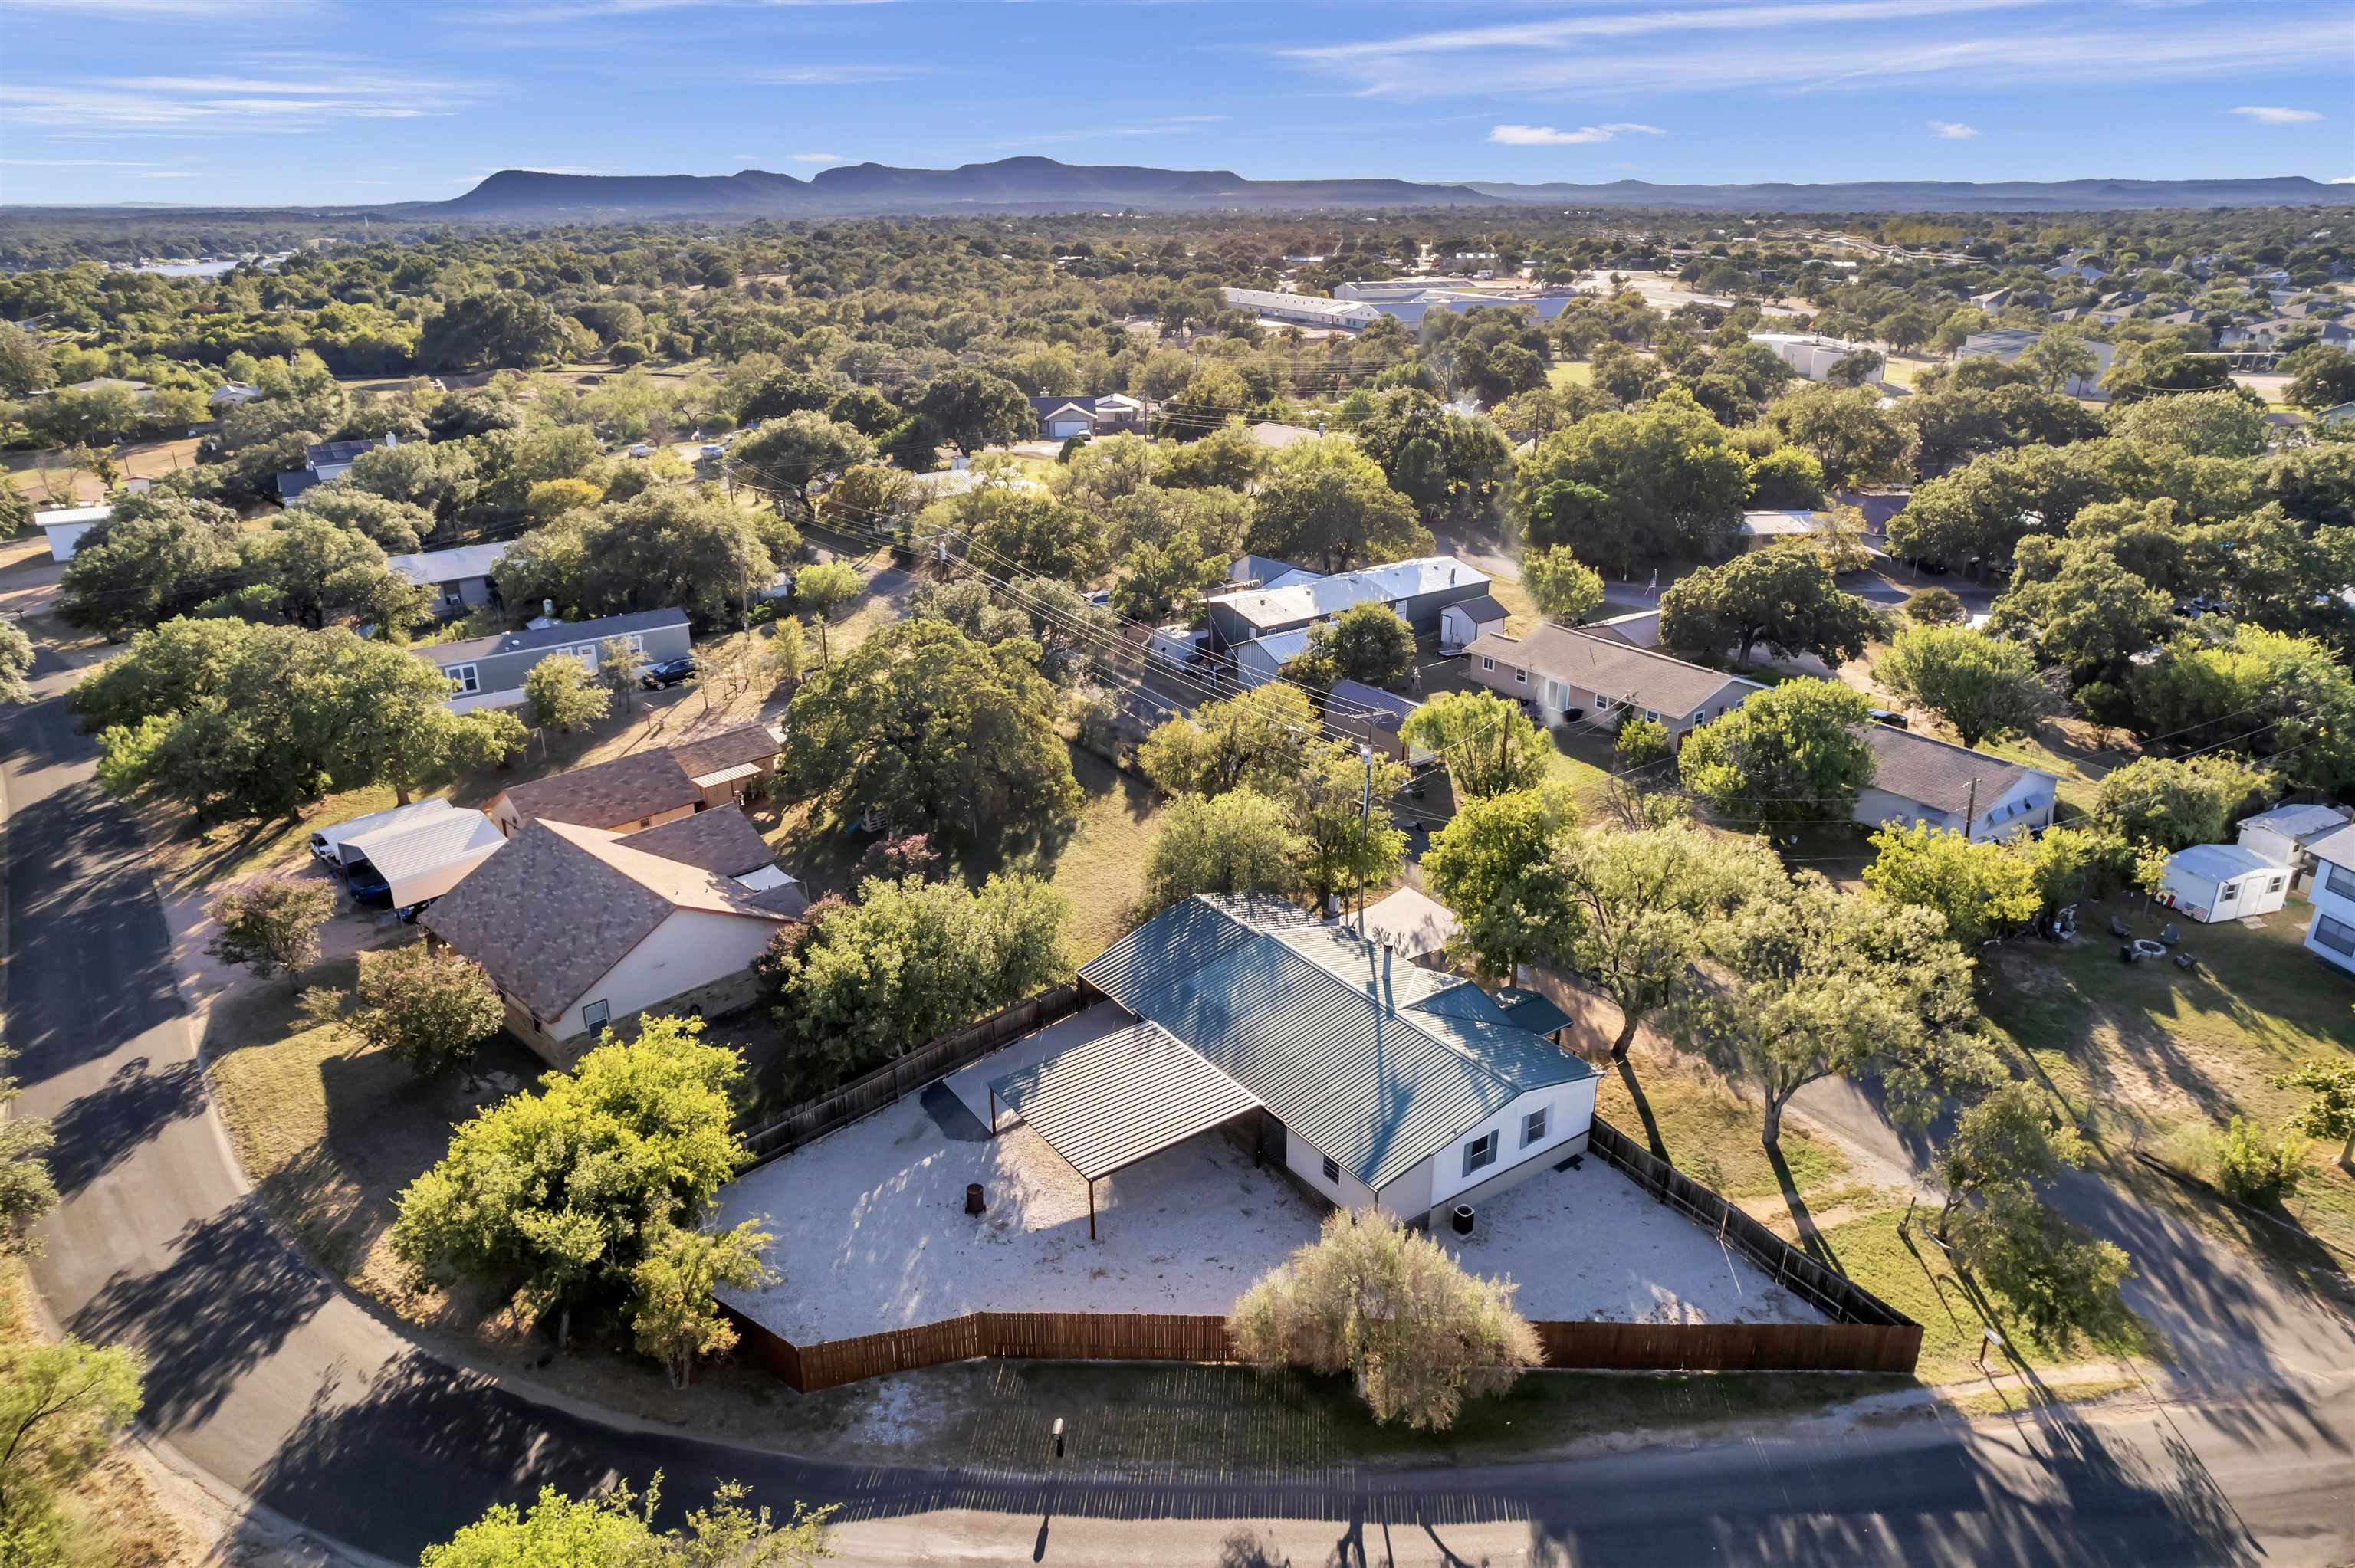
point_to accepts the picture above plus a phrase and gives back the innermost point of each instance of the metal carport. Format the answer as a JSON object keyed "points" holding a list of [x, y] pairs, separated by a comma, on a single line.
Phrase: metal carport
{"points": [[1107, 1103]]}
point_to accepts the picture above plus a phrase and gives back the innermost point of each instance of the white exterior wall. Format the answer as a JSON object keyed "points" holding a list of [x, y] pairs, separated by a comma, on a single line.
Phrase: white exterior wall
{"points": [[1569, 1109], [65, 538], [2259, 891], [2333, 896], [1306, 1161], [2026, 807], [1457, 629], [692, 947]]}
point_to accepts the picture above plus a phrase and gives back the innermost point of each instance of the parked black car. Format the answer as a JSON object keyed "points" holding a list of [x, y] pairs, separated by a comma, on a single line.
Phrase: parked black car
{"points": [[669, 672]]}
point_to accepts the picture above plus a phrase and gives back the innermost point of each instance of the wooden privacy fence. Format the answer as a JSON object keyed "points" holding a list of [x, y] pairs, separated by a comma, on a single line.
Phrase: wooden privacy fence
{"points": [[1833, 1294], [1199, 1337], [814, 1119]]}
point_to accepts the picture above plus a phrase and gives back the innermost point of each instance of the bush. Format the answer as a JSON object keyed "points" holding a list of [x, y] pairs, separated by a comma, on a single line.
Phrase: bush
{"points": [[1641, 740], [1384, 1304], [2257, 1171], [1934, 607]]}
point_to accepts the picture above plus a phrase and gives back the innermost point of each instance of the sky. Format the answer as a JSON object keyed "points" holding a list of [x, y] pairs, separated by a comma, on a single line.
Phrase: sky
{"points": [[350, 101]]}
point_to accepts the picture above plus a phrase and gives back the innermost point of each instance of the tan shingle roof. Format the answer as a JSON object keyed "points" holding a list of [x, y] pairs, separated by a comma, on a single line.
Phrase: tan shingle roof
{"points": [[1615, 669], [1938, 773], [559, 904], [728, 749], [720, 839], [610, 794]]}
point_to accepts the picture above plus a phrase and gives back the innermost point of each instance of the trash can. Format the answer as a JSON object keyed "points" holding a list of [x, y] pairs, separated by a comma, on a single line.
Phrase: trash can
{"points": [[1462, 1219], [973, 1204]]}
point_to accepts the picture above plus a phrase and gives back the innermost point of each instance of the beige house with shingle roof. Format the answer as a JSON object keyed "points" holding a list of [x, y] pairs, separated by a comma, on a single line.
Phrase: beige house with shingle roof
{"points": [[644, 788], [1576, 676], [581, 927]]}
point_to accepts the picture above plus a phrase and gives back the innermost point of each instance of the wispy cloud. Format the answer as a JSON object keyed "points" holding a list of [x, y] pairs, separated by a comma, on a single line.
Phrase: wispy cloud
{"points": [[1166, 125], [836, 74], [1547, 136], [207, 10], [817, 157], [2266, 115], [580, 10], [204, 105], [1815, 45], [1953, 130]]}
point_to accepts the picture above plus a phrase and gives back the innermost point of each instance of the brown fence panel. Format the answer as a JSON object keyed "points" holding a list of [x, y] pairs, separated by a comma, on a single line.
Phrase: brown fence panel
{"points": [[813, 1119], [1731, 1347], [1108, 1336]]}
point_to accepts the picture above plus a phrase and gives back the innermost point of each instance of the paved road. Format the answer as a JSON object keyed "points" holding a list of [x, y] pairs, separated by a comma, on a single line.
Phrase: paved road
{"points": [[267, 1378]]}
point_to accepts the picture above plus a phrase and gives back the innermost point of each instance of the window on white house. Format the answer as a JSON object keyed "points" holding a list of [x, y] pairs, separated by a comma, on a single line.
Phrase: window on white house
{"points": [[468, 681], [2274, 885], [1332, 1170], [1487, 664], [595, 1015], [1533, 1128], [2337, 936], [1480, 1154], [2227, 890], [1520, 677], [2341, 881], [1652, 713]]}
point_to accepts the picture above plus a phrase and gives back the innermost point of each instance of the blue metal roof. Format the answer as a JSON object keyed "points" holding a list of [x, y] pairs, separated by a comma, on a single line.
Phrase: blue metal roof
{"points": [[1532, 1010], [1346, 1059]]}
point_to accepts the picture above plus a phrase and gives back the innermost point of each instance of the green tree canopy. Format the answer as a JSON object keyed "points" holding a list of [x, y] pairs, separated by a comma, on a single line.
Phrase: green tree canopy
{"points": [[1979, 889], [1987, 689], [158, 555], [2173, 803], [1792, 753], [1365, 642], [1490, 747], [1563, 588], [935, 733], [1492, 865], [1257, 739], [1785, 597], [1619, 487], [1240, 842], [1325, 502]]}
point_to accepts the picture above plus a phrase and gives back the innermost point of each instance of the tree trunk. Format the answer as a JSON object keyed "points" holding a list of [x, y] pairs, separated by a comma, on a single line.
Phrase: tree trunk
{"points": [[2347, 1150], [1770, 1134], [1947, 1211], [1626, 1036], [1741, 654]]}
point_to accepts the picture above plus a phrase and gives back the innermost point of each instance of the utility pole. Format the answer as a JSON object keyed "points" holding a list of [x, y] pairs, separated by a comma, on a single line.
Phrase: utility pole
{"points": [[1970, 810]]}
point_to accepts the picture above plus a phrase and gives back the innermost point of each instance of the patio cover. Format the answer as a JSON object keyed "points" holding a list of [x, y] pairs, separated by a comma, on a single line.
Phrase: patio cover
{"points": [[1107, 1103]]}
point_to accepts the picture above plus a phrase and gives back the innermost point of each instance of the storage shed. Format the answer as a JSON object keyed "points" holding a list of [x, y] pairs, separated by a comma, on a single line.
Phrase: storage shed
{"points": [[2209, 882]]}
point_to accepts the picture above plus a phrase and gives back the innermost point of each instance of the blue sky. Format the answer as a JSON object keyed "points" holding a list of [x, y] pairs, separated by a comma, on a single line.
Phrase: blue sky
{"points": [[339, 101]]}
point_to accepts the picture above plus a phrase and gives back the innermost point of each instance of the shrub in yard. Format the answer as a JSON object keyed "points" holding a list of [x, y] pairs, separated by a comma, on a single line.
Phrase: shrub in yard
{"points": [[561, 694], [1641, 740], [675, 1318], [60, 1406], [2256, 1170], [1934, 607], [271, 925], [2062, 1278], [553, 1197], [429, 1007], [2330, 1112], [1385, 1305]]}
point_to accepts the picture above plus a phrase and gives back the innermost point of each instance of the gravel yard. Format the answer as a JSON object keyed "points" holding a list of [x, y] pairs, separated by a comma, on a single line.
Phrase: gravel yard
{"points": [[871, 1231]]}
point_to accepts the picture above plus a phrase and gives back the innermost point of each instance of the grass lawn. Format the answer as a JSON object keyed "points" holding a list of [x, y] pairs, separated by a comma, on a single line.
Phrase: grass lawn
{"points": [[2080, 755], [1521, 615], [1712, 1133], [2149, 1054], [1571, 373], [1903, 369]]}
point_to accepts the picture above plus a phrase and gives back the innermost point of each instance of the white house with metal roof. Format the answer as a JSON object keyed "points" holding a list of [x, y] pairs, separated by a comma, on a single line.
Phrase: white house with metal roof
{"points": [[460, 577], [1392, 1085], [2285, 835], [1419, 590], [2209, 882], [66, 524], [1917, 779], [2330, 934]]}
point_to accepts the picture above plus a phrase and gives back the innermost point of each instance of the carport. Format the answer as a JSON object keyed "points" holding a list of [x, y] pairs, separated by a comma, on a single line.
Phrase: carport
{"points": [[1105, 1103]]}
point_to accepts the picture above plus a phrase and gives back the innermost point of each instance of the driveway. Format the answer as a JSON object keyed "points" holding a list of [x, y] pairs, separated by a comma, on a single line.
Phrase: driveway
{"points": [[265, 1376]]}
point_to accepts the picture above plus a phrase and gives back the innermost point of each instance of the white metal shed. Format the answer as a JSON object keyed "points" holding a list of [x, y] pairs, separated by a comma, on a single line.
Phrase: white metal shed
{"points": [[2210, 883]]}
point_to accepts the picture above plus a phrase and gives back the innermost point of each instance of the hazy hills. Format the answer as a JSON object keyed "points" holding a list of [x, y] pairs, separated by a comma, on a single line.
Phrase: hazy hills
{"points": [[1043, 183]]}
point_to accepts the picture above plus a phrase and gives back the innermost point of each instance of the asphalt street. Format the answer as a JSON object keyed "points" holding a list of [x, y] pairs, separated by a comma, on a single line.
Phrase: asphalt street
{"points": [[266, 1376]]}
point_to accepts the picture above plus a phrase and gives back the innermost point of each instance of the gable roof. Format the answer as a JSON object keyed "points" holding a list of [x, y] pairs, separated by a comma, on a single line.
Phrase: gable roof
{"points": [[1939, 773], [1483, 609], [1611, 668], [1373, 1061], [558, 906], [408, 848], [2301, 824], [448, 566], [1301, 601], [2220, 863], [1353, 702], [324, 453], [2338, 848], [730, 747], [562, 634], [721, 840], [608, 794]]}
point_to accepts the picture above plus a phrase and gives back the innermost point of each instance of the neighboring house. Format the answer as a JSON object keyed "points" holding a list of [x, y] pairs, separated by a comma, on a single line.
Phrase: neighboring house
{"points": [[2008, 344], [581, 928], [2285, 835], [460, 577], [488, 672], [1810, 356], [232, 395], [1918, 779], [325, 462], [1276, 437], [645, 788], [1760, 529], [2210, 883], [66, 524], [1417, 589], [2330, 934], [1262, 571], [1263, 659], [2080, 272], [1301, 310], [2270, 335], [1575, 674], [1465, 621], [1638, 627], [1382, 1083], [1370, 714], [1878, 506], [1060, 419], [2339, 413]]}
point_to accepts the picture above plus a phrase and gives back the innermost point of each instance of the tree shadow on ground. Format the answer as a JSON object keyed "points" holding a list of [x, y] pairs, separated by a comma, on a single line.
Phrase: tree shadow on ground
{"points": [[1811, 1239]]}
